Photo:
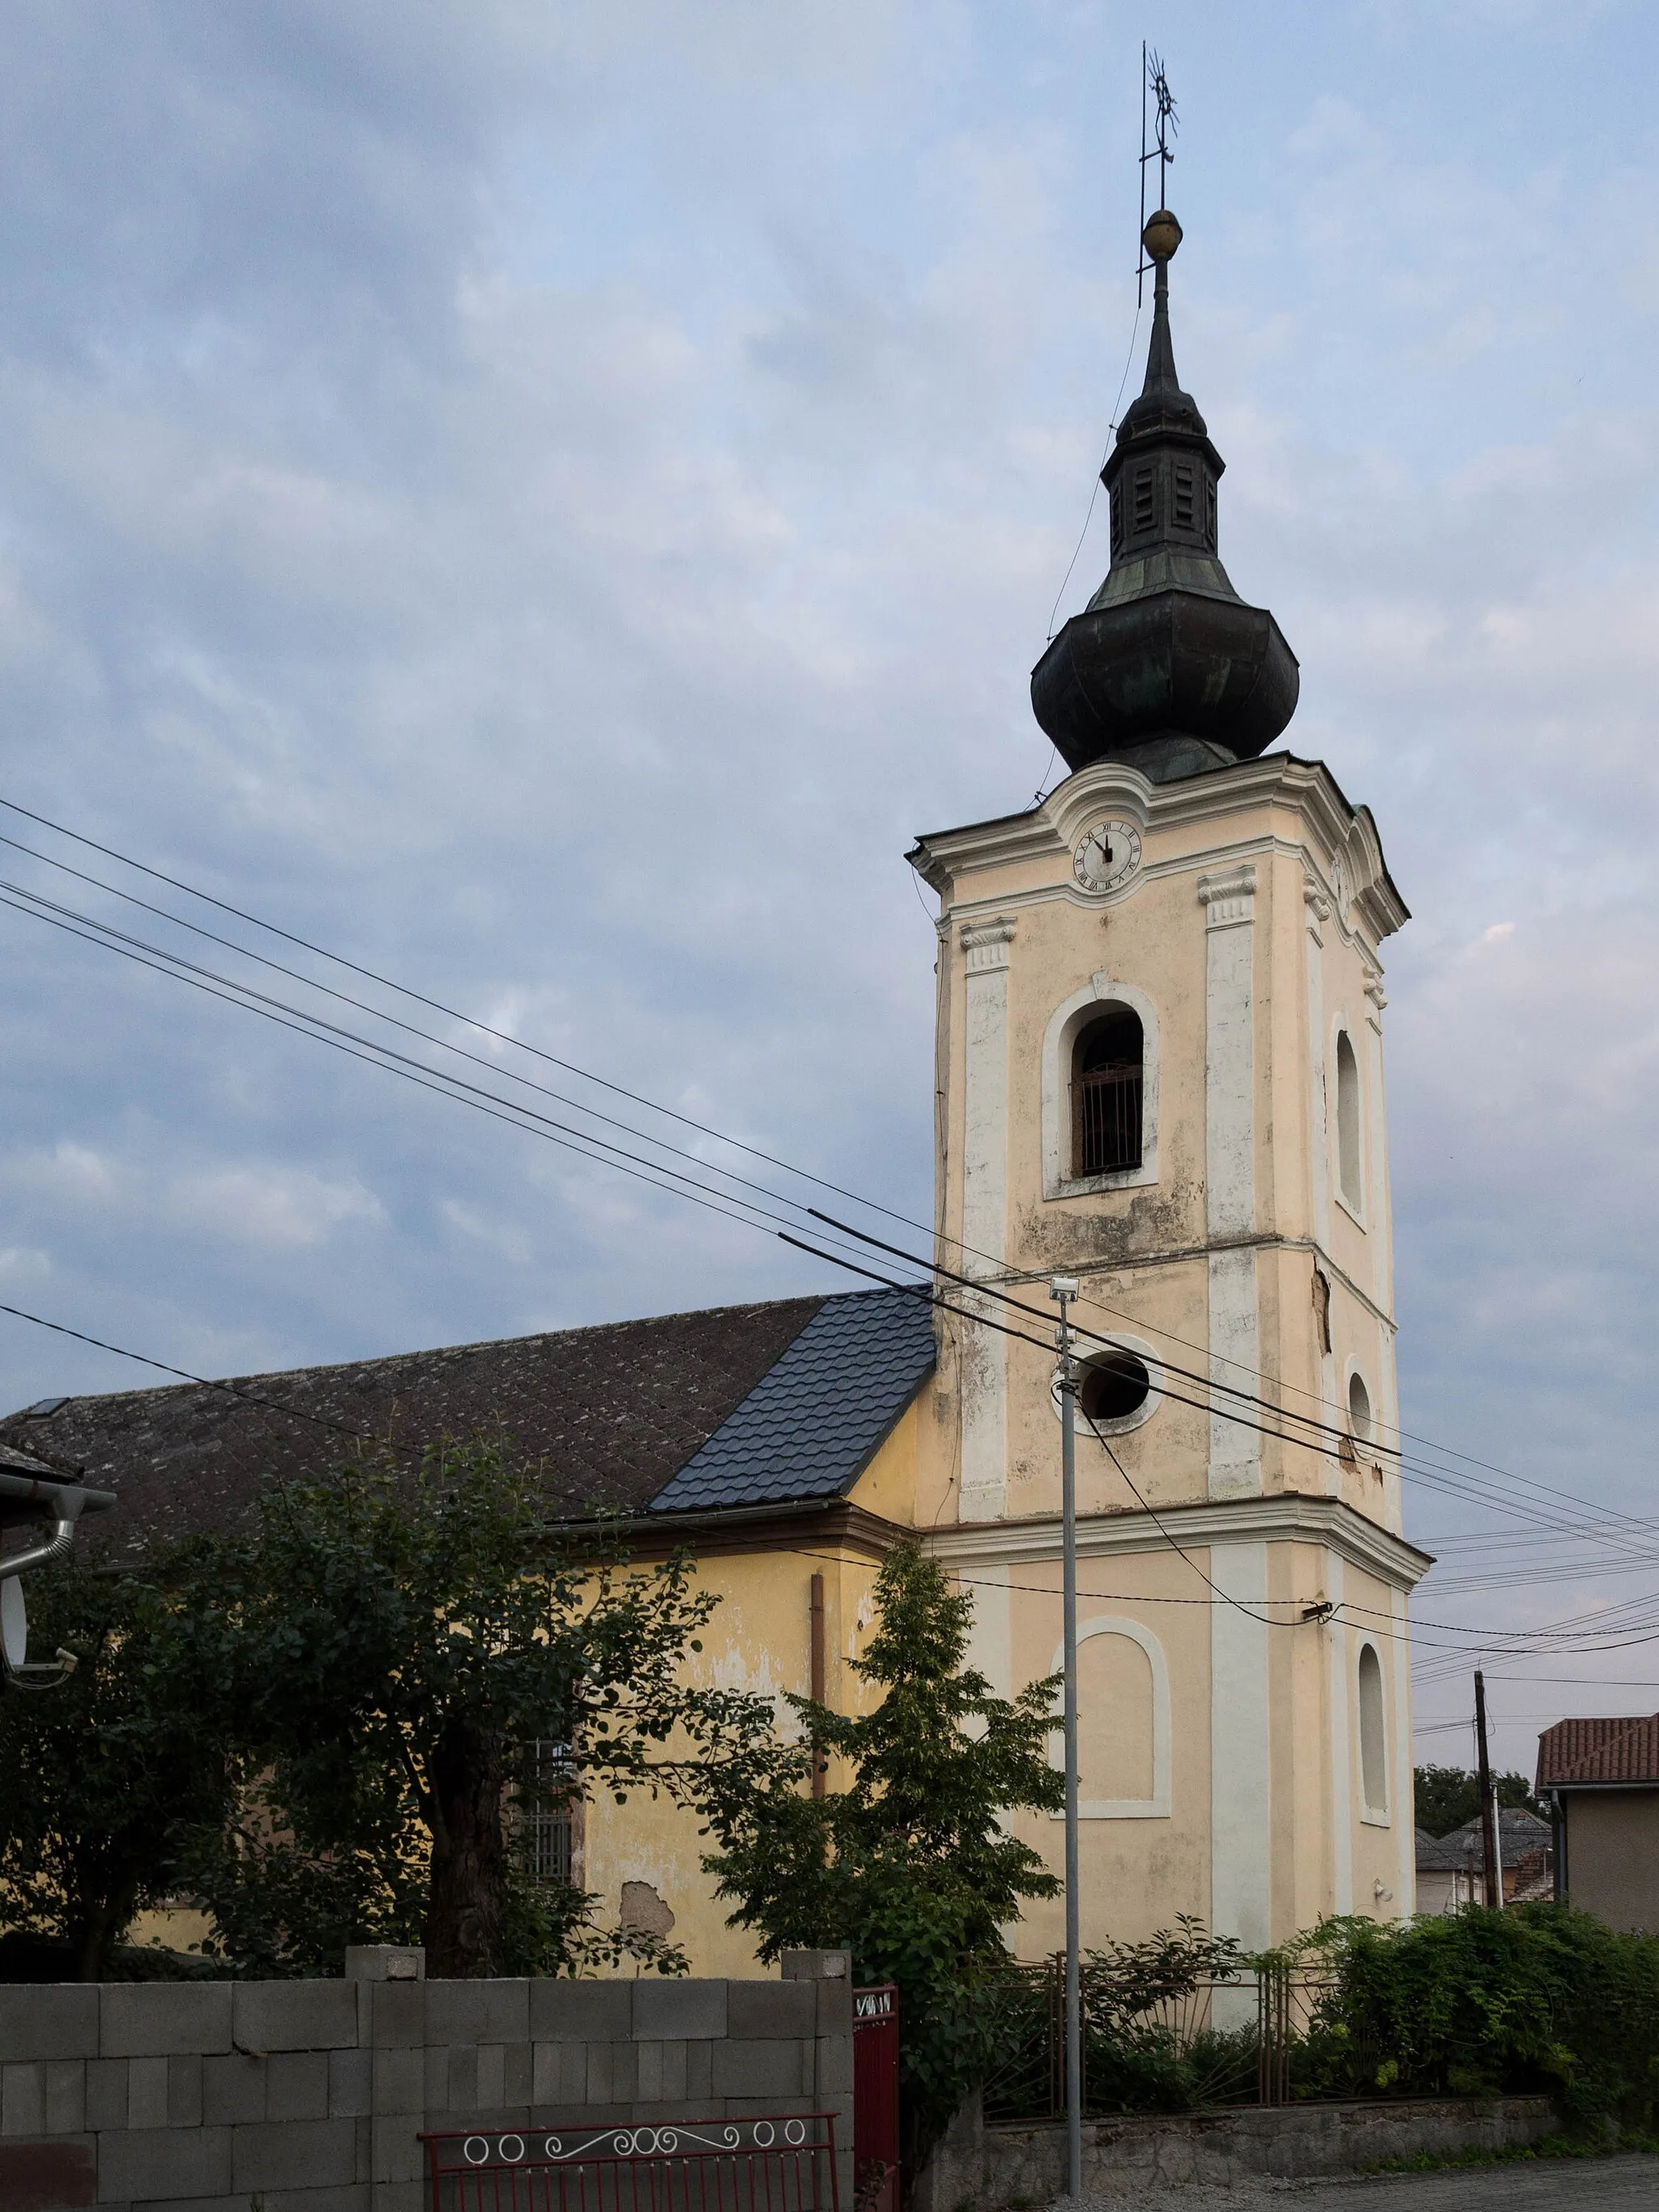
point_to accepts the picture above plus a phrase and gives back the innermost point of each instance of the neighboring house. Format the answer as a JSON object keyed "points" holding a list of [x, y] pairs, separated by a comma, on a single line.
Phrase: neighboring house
{"points": [[1602, 1779], [1451, 1869], [1444, 1882], [1159, 1071]]}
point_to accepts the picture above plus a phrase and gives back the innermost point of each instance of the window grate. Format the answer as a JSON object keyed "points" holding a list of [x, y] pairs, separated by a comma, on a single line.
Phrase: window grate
{"points": [[549, 1813], [1107, 1114]]}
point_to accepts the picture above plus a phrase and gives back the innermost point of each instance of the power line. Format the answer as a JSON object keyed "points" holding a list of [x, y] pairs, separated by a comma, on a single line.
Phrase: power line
{"points": [[519, 1114], [1450, 1480], [587, 1075]]}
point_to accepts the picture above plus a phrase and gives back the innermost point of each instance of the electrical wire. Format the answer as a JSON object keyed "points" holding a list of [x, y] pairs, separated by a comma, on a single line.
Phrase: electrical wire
{"points": [[1451, 1480], [1445, 1476], [656, 1173]]}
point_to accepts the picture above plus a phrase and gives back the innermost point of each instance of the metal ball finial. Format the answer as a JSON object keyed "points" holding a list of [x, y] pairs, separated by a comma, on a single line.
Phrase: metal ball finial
{"points": [[1161, 236]]}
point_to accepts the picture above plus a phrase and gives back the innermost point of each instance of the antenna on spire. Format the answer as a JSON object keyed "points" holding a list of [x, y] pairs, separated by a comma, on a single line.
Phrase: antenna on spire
{"points": [[1154, 79]]}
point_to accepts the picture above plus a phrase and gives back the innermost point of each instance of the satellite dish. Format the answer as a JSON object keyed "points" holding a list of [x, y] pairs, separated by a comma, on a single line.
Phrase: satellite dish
{"points": [[14, 1621]]}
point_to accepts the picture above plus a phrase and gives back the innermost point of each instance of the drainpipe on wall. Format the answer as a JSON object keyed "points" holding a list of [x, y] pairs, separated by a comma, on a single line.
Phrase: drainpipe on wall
{"points": [[27, 1496]]}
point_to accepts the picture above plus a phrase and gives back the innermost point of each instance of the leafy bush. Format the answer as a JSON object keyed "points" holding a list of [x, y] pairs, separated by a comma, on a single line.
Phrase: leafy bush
{"points": [[1536, 1998], [1148, 2043]]}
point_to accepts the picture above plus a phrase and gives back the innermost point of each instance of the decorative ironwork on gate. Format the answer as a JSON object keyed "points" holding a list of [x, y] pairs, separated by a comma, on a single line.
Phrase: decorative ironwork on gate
{"points": [[781, 2163]]}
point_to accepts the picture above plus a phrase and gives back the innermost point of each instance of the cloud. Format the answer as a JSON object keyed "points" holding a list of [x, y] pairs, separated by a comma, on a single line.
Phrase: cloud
{"points": [[549, 501]]}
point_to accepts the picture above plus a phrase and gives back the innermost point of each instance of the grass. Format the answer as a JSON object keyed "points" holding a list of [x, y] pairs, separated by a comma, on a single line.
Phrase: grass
{"points": [[1426, 2161]]}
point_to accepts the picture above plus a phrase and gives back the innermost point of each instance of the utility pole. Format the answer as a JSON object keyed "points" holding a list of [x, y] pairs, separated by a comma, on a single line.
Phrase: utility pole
{"points": [[1063, 1289], [1488, 1825]]}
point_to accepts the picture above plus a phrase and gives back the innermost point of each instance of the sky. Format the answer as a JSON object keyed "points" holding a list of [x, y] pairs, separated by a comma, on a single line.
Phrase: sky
{"points": [[547, 501]]}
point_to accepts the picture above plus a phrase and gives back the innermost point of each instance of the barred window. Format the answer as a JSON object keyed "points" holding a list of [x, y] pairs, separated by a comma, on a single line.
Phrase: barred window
{"points": [[1106, 1094], [548, 1809]]}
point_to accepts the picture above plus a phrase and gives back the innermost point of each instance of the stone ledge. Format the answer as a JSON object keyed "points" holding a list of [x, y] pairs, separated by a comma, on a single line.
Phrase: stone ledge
{"points": [[1003, 2165]]}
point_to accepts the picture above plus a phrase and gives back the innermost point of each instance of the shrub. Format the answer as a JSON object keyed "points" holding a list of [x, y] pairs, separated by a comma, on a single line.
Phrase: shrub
{"points": [[1538, 1997]]}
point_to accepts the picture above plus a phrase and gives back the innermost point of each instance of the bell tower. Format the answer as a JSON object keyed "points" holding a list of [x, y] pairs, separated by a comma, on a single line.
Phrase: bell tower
{"points": [[1160, 1070]]}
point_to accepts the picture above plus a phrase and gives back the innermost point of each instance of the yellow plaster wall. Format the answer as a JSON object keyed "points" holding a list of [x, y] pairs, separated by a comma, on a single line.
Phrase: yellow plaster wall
{"points": [[759, 1639]]}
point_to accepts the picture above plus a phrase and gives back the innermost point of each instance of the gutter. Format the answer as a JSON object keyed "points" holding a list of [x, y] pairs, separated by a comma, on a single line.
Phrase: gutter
{"points": [[33, 1498], [26, 1496]]}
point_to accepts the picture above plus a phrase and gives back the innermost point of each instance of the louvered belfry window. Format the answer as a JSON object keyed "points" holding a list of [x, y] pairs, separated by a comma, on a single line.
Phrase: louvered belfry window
{"points": [[1146, 499], [1106, 1095], [1183, 495]]}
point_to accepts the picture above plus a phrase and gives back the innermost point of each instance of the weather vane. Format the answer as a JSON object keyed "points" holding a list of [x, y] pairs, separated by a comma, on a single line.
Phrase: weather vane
{"points": [[1154, 79]]}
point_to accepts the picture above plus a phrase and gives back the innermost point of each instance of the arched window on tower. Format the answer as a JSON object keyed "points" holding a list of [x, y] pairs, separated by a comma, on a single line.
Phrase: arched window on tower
{"points": [[1373, 1735], [1348, 1122], [1106, 1088]]}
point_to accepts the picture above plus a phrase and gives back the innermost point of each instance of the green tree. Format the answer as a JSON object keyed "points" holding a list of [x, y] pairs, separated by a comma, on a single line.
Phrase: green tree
{"points": [[400, 1641], [1448, 1796], [109, 1780], [909, 1864]]}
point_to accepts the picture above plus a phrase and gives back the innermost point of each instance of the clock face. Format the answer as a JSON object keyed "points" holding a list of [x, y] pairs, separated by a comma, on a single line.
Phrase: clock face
{"points": [[1108, 855]]}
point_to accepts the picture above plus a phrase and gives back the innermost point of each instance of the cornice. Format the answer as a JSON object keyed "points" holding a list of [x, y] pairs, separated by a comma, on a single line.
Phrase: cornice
{"points": [[1348, 835], [1284, 1518], [1263, 1240], [720, 1534]]}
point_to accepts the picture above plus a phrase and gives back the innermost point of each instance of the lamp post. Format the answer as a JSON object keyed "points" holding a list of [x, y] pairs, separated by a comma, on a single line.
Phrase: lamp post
{"points": [[1063, 1289]]}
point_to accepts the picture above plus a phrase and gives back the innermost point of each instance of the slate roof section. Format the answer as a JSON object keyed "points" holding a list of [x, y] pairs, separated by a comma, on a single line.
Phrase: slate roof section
{"points": [[1585, 1753], [1437, 1854], [812, 1425], [609, 1414], [1519, 1833]]}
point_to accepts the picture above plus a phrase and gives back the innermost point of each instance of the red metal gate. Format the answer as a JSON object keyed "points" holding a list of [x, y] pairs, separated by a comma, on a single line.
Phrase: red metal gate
{"points": [[787, 2163], [875, 2098]]}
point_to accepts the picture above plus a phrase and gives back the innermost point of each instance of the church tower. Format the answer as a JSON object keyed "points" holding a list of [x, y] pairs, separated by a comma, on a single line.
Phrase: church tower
{"points": [[1160, 1071]]}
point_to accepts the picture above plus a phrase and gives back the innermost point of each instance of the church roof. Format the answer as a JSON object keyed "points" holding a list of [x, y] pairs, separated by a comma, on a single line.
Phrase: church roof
{"points": [[813, 1424], [781, 1402]]}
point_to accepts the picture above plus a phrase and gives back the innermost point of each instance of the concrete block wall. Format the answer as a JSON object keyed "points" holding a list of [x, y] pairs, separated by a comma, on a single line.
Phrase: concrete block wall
{"points": [[310, 2096]]}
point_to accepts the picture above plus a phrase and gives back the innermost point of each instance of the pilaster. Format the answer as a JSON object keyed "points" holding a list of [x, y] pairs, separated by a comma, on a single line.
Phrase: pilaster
{"points": [[985, 1215]]}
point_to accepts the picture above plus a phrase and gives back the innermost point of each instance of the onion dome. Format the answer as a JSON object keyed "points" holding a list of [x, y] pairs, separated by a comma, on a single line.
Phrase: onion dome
{"points": [[1166, 668]]}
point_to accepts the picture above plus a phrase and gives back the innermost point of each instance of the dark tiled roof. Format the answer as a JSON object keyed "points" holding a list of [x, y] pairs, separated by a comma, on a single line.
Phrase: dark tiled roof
{"points": [[610, 1413], [1591, 1751], [1519, 1832], [1437, 1854], [812, 1425]]}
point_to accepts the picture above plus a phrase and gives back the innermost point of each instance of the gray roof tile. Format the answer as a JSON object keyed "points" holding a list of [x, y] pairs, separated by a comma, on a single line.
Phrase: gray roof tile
{"points": [[814, 1421]]}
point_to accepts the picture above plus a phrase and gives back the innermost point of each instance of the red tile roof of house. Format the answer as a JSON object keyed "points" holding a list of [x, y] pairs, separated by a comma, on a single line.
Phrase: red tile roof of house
{"points": [[1591, 1751]]}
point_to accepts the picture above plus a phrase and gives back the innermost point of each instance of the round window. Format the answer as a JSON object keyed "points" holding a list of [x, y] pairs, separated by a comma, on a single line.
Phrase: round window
{"points": [[1114, 1385]]}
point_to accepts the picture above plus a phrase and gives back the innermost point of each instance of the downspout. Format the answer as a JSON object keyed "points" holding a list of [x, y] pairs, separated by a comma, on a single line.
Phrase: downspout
{"points": [[61, 1541]]}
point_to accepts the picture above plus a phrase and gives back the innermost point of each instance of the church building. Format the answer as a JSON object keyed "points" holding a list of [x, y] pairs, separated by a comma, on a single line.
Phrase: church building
{"points": [[1159, 1072]]}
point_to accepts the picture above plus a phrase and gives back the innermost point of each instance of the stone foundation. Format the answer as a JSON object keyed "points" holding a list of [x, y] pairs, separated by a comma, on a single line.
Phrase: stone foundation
{"points": [[989, 2168]]}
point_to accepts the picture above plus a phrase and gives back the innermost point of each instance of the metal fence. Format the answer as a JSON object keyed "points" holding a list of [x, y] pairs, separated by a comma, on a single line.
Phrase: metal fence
{"points": [[783, 2164], [1211, 2043]]}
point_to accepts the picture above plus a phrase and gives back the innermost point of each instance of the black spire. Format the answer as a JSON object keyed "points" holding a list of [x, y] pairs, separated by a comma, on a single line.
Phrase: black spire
{"points": [[1166, 668]]}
